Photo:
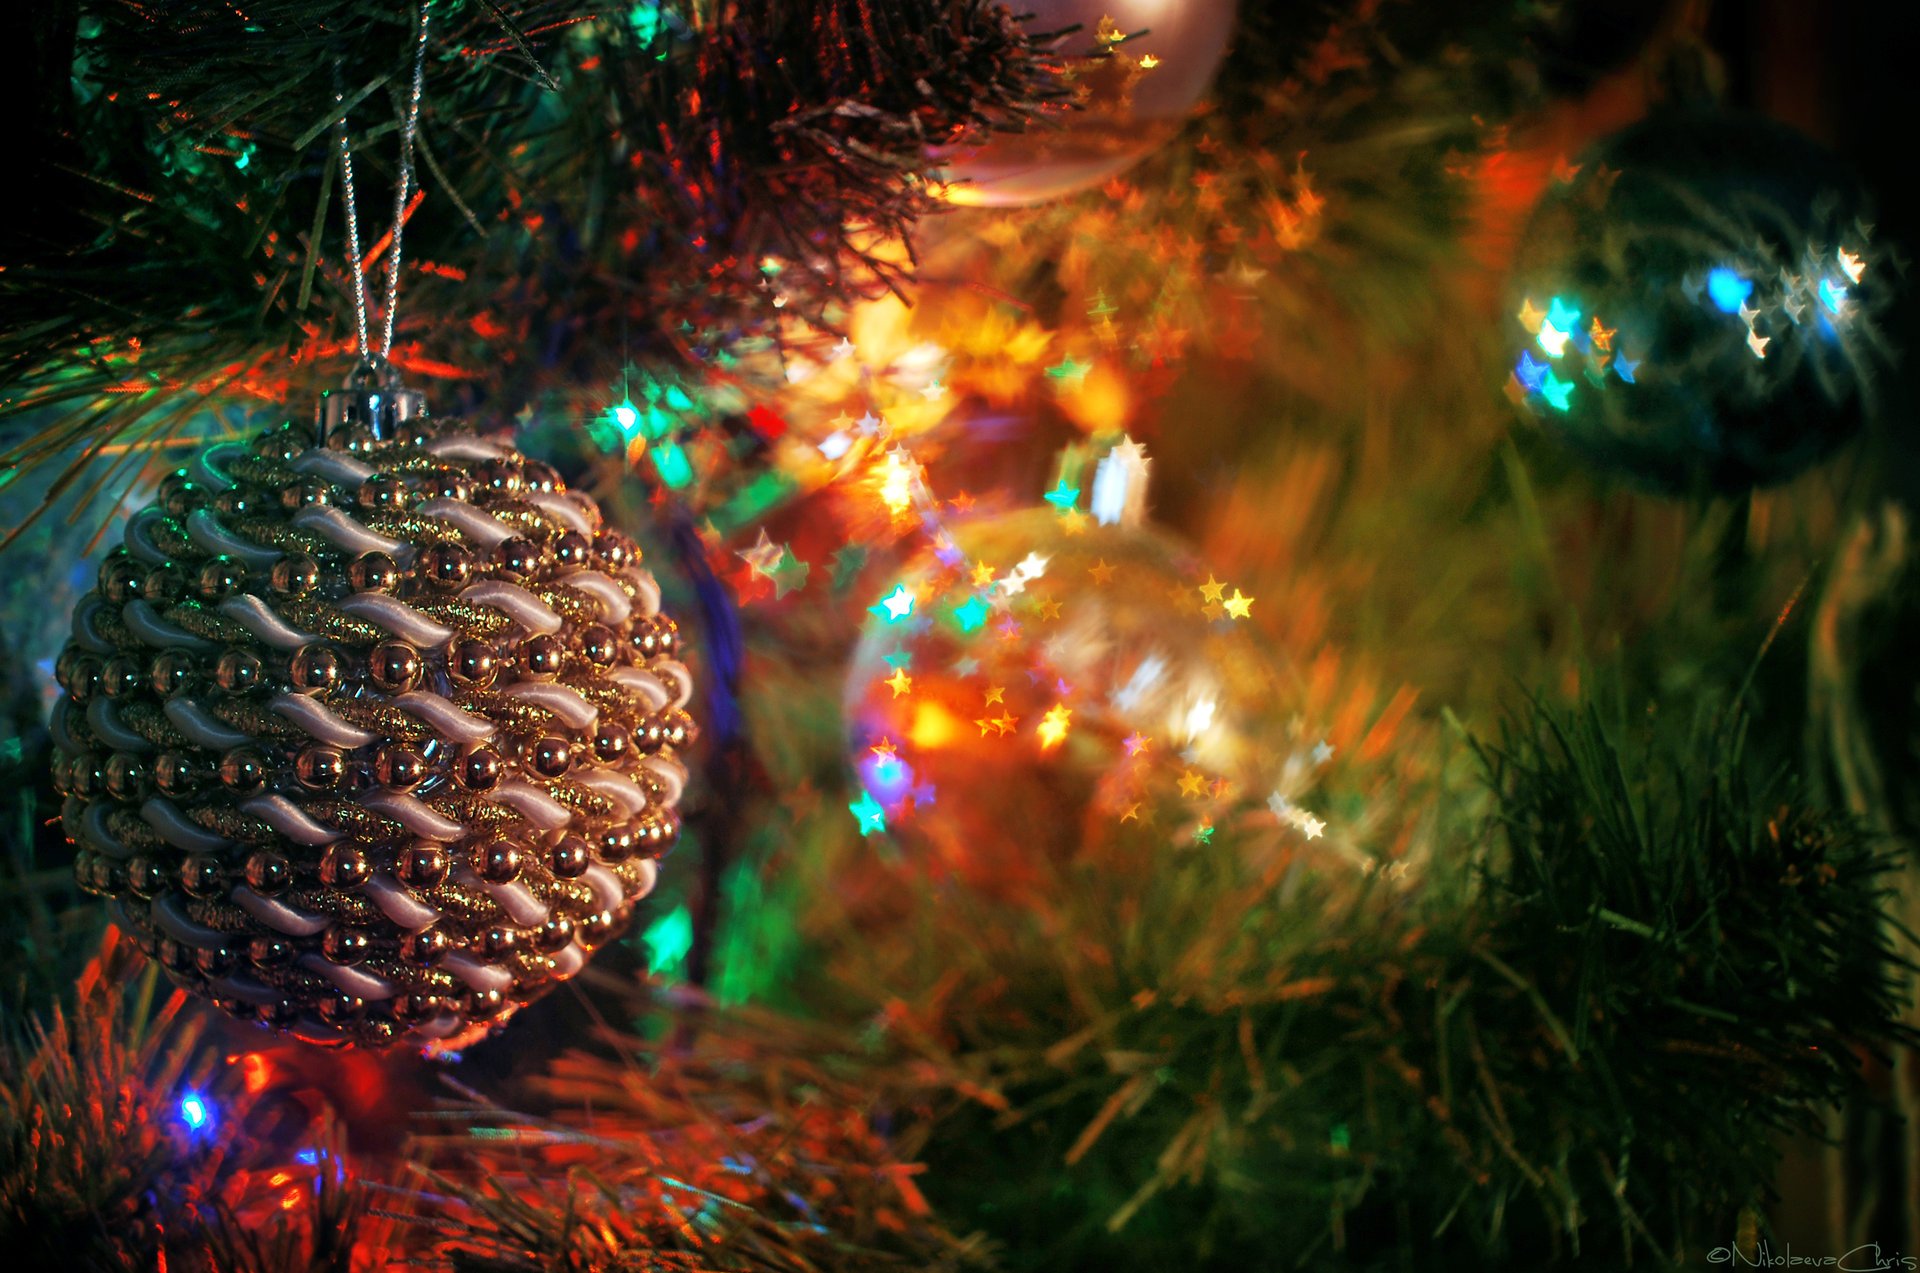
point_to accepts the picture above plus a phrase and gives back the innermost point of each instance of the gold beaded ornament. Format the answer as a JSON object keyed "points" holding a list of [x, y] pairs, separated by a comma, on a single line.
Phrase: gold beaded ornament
{"points": [[372, 740]]}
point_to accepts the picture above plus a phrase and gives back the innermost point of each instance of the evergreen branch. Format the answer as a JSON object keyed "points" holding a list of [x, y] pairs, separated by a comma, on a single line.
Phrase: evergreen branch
{"points": [[1660, 972], [676, 170], [98, 1171]]}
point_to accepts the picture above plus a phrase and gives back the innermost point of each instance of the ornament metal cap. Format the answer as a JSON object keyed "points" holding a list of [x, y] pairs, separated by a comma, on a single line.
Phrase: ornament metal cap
{"points": [[371, 395]]}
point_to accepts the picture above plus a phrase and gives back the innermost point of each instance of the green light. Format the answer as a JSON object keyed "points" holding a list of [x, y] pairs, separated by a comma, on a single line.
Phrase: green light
{"points": [[677, 398], [626, 417], [971, 614], [1558, 392], [1063, 497], [668, 939], [670, 461], [1562, 315], [871, 816], [646, 20], [605, 434]]}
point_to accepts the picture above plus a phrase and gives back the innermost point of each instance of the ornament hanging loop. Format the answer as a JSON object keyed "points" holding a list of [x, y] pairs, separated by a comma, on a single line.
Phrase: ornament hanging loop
{"points": [[403, 188], [372, 398]]}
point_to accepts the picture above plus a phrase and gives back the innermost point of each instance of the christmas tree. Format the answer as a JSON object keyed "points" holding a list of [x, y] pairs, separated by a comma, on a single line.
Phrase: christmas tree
{"points": [[842, 635]]}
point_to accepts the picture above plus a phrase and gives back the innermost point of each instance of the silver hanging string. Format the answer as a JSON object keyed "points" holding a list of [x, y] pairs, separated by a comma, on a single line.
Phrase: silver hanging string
{"points": [[409, 124], [353, 224], [403, 189]]}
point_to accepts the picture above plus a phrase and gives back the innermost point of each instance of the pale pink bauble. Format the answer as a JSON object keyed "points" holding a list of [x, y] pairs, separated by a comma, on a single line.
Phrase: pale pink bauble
{"points": [[1126, 116]]}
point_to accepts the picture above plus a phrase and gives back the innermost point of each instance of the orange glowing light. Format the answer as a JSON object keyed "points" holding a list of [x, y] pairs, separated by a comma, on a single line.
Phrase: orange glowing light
{"points": [[1053, 726], [933, 726], [1099, 401], [255, 1072], [896, 483]]}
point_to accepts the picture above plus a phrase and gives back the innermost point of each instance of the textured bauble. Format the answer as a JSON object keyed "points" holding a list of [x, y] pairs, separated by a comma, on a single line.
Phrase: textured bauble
{"points": [[1151, 61], [341, 764], [1697, 308], [1028, 676]]}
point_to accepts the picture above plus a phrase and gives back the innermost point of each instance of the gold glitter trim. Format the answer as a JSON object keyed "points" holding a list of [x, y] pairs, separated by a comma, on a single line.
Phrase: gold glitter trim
{"points": [[411, 461], [83, 732], [205, 623], [528, 520], [411, 526], [626, 706], [575, 607], [409, 977], [650, 785], [569, 896], [329, 621], [225, 820], [517, 715], [472, 621], [131, 830], [224, 916], [348, 907], [108, 623], [628, 873], [357, 821], [468, 906], [151, 724], [278, 534], [171, 538], [472, 811], [261, 471], [581, 799], [529, 968], [254, 718], [379, 718]]}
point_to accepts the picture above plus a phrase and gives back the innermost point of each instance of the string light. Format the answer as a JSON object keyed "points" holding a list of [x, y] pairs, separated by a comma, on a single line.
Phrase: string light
{"points": [[868, 812], [1053, 726], [195, 1112], [895, 606], [1728, 290]]}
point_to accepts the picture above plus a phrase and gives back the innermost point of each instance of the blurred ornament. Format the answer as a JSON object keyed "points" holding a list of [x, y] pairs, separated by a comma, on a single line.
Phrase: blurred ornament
{"points": [[1699, 304], [373, 740], [1036, 669], [1143, 65]]}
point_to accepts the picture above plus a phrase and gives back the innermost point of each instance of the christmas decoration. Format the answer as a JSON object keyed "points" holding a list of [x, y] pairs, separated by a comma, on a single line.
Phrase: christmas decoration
{"points": [[1037, 660], [690, 196], [373, 739], [1143, 64], [1406, 853], [1699, 305]]}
